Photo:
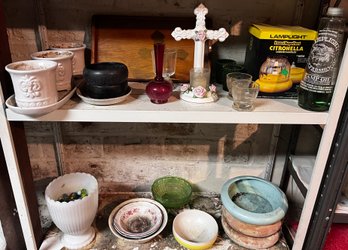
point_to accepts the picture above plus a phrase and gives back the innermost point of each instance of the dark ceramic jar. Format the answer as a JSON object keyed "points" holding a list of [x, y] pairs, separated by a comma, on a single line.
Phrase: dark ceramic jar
{"points": [[105, 73], [103, 92], [105, 80]]}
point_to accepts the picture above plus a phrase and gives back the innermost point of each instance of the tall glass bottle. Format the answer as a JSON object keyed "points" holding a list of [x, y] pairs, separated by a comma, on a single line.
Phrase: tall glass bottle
{"points": [[316, 88]]}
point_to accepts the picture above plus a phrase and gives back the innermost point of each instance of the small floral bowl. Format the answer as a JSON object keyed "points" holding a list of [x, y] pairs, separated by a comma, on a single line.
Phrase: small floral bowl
{"points": [[138, 219], [113, 221]]}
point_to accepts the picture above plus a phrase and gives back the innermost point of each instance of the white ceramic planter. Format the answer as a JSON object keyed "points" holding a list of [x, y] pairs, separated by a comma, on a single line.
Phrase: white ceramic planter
{"points": [[64, 69], [34, 82], [79, 55], [73, 218]]}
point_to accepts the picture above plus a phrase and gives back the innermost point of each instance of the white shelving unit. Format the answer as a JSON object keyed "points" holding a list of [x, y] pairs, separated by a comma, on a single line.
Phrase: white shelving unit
{"points": [[138, 108]]}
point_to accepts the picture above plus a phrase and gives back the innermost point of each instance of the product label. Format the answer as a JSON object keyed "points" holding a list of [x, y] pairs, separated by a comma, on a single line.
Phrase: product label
{"points": [[322, 62], [317, 83], [286, 47]]}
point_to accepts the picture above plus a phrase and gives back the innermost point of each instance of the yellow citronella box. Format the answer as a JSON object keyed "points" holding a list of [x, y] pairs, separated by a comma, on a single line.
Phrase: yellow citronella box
{"points": [[291, 42]]}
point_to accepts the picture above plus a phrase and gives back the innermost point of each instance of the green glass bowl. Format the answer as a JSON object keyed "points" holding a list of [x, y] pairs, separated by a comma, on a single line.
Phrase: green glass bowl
{"points": [[171, 191]]}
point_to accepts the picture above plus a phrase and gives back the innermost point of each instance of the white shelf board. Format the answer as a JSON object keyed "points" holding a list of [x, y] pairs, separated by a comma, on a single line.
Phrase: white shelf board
{"points": [[138, 108]]}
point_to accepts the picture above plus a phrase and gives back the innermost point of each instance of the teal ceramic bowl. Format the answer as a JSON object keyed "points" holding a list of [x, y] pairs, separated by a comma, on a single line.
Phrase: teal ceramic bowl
{"points": [[254, 200]]}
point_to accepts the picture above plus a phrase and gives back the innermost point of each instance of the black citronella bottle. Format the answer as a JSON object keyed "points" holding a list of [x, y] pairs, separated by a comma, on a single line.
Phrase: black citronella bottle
{"points": [[316, 88]]}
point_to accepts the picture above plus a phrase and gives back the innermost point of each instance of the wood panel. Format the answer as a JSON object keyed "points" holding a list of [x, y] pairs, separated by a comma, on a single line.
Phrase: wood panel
{"points": [[130, 40]]}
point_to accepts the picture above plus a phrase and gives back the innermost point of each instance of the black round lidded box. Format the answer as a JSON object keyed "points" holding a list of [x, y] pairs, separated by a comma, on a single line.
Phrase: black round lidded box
{"points": [[105, 80]]}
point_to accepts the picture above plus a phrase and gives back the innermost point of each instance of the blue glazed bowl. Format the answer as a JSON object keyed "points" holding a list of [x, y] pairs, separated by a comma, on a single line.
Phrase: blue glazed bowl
{"points": [[254, 200]]}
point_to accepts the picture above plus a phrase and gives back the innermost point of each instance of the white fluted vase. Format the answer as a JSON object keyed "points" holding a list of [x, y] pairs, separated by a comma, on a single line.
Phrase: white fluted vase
{"points": [[73, 218]]}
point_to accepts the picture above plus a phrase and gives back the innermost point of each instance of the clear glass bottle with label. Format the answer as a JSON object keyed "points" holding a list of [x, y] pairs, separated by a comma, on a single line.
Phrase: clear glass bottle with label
{"points": [[316, 88]]}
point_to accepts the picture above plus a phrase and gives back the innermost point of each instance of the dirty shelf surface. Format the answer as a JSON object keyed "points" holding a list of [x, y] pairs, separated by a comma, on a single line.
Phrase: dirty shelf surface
{"points": [[208, 202]]}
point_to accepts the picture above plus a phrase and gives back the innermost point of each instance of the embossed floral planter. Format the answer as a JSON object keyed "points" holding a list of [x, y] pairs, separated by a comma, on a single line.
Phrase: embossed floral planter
{"points": [[64, 69], [34, 82], [79, 54]]}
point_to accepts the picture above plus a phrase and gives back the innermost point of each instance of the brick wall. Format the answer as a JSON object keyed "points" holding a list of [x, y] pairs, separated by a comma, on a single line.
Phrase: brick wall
{"points": [[129, 156]]}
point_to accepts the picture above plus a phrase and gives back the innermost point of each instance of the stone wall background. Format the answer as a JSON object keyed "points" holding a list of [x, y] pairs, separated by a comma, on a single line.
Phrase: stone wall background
{"points": [[129, 156]]}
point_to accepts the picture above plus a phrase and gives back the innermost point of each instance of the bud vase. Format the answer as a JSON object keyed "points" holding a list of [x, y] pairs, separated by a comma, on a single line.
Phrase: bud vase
{"points": [[159, 90]]}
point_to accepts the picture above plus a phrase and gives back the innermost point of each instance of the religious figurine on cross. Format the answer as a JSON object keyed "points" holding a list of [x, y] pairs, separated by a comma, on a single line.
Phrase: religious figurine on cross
{"points": [[199, 90], [200, 34]]}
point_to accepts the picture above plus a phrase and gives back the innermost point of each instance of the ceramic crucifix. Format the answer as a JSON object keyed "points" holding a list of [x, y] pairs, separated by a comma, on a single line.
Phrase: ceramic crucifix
{"points": [[200, 34], [199, 90]]}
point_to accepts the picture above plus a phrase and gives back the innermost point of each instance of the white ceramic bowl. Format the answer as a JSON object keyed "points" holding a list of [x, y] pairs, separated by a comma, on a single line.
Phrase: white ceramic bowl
{"points": [[34, 82], [136, 240], [73, 218], [138, 219], [195, 229]]}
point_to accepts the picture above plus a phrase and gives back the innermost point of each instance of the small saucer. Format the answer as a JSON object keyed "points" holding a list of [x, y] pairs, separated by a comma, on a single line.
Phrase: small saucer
{"points": [[64, 96], [104, 102]]}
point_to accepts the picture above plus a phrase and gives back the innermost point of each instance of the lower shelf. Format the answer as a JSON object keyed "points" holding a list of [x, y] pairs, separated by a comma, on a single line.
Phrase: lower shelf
{"points": [[106, 240]]}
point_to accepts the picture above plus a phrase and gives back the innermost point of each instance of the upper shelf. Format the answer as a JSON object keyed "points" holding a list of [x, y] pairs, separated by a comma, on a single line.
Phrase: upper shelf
{"points": [[138, 108]]}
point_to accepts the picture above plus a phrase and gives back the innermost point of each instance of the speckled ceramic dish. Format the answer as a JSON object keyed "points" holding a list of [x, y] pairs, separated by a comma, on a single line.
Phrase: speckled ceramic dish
{"points": [[254, 200]]}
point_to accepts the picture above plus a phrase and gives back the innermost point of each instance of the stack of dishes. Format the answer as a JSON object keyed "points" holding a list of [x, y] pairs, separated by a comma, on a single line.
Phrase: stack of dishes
{"points": [[252, 212], [138, 220]]}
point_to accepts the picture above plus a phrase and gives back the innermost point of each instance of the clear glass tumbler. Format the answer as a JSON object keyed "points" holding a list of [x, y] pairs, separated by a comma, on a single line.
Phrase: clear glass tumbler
{"points": [[244, 95], [237, 76]]}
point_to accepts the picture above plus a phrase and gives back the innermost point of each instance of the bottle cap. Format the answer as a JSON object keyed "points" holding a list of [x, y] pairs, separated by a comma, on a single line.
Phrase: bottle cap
{"points": [[335, 11]]}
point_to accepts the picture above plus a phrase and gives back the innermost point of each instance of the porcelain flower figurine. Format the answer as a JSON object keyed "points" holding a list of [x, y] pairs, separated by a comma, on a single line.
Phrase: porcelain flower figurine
{"points": [[199, 91]]}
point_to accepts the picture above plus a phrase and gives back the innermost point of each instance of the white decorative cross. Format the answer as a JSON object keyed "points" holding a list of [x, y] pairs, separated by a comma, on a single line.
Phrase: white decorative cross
{"points": [[200, 34]]}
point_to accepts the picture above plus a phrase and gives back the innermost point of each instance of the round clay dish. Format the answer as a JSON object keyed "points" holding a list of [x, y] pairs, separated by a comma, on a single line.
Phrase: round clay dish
{"points": [[248, 241], [250, 229]]}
